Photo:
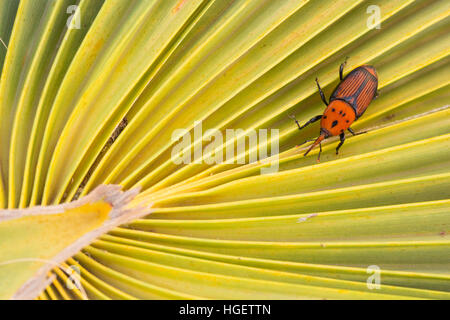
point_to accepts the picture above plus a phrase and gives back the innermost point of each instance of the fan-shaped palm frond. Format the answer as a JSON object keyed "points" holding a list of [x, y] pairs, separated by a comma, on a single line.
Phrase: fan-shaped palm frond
{"points": [[98, 100]]}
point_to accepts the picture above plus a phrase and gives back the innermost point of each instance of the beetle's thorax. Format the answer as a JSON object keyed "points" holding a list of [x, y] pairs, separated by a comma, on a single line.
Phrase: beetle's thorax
{"points": [[337, 118]]}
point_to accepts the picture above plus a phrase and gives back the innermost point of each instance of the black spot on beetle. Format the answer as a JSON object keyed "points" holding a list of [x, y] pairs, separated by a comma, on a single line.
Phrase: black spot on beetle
{"points": [[346, 121], [334, 124], [343, 115], [333, 109], [340, 112], [324, 117]]}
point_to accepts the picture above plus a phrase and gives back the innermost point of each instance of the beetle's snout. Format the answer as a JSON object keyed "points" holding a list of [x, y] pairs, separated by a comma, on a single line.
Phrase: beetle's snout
{"points": [[318, 140]]}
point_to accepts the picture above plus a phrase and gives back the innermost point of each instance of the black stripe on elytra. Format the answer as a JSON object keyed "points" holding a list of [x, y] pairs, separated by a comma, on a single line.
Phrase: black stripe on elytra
{"points": [[370, 74], [351, 100], [361, 88]]}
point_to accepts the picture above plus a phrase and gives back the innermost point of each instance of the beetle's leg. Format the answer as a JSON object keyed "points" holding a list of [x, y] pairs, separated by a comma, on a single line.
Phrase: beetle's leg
{"points": [[321, 93], [295, 119], [320, 151], [341, 69], [376, 95], [314, 119], [342, 136], [355, 133]]}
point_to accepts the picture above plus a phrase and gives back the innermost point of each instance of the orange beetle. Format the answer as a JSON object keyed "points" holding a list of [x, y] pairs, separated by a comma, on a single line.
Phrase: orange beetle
{"points": [[348, 102]]}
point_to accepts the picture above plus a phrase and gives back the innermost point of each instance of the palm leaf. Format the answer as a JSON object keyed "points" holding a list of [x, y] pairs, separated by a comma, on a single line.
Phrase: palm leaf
{"points": [[94, 105]]}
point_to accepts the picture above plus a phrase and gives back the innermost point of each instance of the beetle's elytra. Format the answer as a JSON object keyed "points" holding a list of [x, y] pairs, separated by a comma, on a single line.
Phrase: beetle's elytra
{"points": [[347, 103]]}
